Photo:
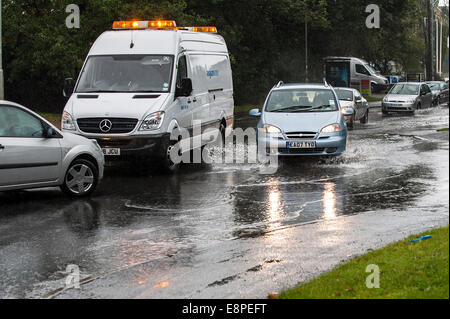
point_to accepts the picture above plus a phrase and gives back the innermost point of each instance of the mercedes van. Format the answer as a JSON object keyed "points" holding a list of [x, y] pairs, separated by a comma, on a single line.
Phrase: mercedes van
{"points": [[143, 81], [349, 71]]}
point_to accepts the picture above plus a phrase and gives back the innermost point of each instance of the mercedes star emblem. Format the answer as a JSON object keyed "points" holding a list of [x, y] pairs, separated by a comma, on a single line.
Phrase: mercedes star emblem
{"points": [[105, 126]]}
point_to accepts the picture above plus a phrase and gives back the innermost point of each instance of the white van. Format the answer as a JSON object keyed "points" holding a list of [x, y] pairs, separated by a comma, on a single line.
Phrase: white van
{"points": [[146, 79]]}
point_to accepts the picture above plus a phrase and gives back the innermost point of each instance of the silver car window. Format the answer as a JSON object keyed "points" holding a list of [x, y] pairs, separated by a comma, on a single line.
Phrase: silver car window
{"points": [[15, 122]]}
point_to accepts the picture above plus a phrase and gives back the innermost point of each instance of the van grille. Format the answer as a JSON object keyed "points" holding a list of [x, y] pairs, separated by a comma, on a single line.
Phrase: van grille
{"points": [[119, 125], [301, 135]]}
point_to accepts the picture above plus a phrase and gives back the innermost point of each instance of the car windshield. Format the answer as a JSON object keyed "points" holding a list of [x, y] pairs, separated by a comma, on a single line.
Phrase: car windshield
{"points": [[434, 86], [301, 100], [126, 73], [344, 95], [405, 89]]}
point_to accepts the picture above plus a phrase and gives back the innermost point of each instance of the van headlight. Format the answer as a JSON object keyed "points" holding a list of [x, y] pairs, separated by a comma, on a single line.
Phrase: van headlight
{"points": [[67, 122], [333, 128], [270, 129], [152, 122]]}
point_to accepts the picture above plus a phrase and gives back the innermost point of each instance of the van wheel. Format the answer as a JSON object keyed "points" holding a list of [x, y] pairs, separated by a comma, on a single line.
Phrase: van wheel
{"points": [[81, 179], [168, 165], [365, 118]]}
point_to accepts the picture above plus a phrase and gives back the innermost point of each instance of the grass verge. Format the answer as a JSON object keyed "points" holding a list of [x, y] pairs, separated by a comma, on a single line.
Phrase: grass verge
{"points": [[407, 271], [374, 99], [55, 119]]}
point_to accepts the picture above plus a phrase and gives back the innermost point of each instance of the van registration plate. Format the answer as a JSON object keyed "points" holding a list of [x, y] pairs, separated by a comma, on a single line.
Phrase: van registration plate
{"points": [[111, 151], [301, 145]]}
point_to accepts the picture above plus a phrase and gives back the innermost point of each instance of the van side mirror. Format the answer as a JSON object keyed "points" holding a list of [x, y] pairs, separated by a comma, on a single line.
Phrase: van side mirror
{"points": [[185, 88], [69, 86]]}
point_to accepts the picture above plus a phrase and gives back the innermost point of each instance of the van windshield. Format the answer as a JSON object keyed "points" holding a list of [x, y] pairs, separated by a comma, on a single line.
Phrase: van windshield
{"points": [[126, 73], [302, 100]]}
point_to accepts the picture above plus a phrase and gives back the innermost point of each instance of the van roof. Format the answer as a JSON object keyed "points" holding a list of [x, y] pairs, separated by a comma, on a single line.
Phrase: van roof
{"points": [[345, 58], [156, 42]]}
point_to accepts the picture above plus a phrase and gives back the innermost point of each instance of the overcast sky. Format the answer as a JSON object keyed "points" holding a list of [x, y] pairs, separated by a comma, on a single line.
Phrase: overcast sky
{"points": [[443, 2]]}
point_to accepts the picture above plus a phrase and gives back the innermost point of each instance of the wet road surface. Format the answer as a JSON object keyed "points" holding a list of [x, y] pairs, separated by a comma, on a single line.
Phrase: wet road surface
{"points": [[225, 231]]}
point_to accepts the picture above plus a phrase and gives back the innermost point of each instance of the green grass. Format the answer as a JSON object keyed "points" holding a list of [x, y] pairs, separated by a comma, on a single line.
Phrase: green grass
{"points": [[55, 119], [443, 130], [373, 99], [407, 271]]}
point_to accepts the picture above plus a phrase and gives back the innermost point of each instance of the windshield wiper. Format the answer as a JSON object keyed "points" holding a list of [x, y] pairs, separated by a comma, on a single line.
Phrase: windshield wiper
{"points": [[289, 108]]}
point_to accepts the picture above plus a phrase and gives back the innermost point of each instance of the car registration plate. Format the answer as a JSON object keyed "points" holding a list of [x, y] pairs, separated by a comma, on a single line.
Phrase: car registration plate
{"points": [[111, 151], [301, 145]]}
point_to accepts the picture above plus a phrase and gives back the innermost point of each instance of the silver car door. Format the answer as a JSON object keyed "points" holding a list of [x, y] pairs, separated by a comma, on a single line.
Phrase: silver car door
{"points": [[26, 156]]}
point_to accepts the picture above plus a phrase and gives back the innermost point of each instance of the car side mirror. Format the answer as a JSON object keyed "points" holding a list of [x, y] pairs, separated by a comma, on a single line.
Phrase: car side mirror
{"points": [[255, 112], [348, 111], [185, 88], [358, 99], [69, 86]]}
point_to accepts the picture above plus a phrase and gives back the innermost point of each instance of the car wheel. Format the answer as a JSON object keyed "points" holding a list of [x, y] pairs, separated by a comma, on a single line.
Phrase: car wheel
{"points": [[351, 123], [81, 178], [365, 118]]}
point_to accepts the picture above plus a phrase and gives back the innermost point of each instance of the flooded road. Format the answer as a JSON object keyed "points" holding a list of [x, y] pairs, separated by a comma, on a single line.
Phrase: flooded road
{"points": [[224, 230]]}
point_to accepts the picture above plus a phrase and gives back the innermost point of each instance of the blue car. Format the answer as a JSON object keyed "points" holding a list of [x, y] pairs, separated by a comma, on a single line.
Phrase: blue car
{"points": [[302, 120]]}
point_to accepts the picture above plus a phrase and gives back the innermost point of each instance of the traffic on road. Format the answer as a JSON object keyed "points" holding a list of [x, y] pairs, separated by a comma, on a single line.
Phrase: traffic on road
{"points": [[166, 192]]}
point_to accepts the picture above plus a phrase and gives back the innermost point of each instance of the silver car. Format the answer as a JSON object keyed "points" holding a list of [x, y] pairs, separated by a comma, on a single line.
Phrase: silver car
{"points": [[302, 120], [35, 154], [407, 97], [351, 98]]}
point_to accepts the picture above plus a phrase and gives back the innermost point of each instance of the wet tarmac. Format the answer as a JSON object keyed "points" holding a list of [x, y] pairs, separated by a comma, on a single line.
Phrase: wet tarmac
{"points": [[224, 230]]}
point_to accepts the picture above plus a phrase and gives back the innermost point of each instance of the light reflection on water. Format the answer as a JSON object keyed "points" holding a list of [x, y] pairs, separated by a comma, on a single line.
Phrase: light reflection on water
{"points": [[329, 201]]}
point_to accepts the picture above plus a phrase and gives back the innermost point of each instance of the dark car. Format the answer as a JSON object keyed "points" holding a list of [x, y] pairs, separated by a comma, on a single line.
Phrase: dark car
{"points": [[440, 92]]}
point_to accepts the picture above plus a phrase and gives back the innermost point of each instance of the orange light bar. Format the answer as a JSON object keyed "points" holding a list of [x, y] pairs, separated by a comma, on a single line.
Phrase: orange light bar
{"points": [[128, 24], [144, 24], [205, 29], [162, 24]]}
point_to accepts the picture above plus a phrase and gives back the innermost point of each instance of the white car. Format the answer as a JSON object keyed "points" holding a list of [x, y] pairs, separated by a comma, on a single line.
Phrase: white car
{"points": [[35, 154], [351, 98], [143, 81]]}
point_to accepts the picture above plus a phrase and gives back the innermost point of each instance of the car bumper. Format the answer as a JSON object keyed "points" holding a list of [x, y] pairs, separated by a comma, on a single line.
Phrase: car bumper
{"points": [[398, 107], [325, 146], [135, 147]]}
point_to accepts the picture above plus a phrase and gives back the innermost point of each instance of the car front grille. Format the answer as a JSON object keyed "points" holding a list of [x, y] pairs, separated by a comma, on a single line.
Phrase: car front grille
{"points": [[118, 125], [301, 135]]}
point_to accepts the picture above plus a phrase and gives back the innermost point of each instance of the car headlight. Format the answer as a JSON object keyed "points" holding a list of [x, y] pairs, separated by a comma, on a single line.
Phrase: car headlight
{"points": [[152, 122], [67, 123], [411, 100], [333, 128], [270, 129]]}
